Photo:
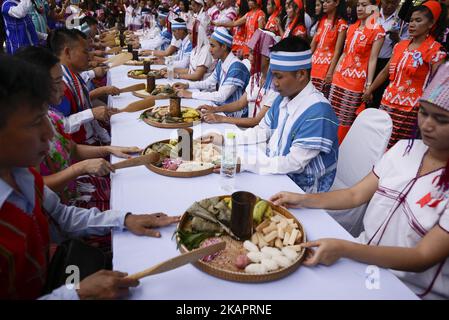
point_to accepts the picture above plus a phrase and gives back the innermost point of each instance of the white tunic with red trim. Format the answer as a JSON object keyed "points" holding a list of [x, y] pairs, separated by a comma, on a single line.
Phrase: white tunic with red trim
{"points": [[404, 208]]}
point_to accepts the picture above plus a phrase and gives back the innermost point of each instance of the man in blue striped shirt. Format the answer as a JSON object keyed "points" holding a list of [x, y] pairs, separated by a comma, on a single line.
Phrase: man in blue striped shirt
{"points": [[230, 78]]}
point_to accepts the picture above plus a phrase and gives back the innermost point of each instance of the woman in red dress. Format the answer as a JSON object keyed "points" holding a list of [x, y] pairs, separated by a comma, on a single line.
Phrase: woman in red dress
{"points": [[327, 44], [411, 65]]}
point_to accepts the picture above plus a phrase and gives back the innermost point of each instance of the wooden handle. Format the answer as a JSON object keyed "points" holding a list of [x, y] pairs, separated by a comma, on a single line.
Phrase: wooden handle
{"points": [[151, 157], [140, 105], [114, 50], [119, 59], [134, 87], [179, 261]]}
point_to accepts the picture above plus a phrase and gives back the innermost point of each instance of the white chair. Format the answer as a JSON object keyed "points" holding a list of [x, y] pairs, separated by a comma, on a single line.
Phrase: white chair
{"points": [[363, 146]]}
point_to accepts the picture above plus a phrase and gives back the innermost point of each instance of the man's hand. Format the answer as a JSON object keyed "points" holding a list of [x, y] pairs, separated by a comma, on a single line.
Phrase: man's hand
{"points": [[180, 86], [184, 93], [111, 90], [106, 284], [142, 225]]}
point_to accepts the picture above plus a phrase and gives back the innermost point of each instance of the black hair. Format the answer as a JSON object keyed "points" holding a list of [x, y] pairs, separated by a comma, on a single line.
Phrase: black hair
{"points": [[21, 84], [440, 24], [341, 12], [61, 38], [291, 44], [243, 8], [186, 5], [91, 21], [39, 56]]}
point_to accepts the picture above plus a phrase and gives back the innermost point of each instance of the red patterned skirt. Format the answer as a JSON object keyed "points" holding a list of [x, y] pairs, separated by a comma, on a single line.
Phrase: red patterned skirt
{"points": [[404, 122], [345, 103]]}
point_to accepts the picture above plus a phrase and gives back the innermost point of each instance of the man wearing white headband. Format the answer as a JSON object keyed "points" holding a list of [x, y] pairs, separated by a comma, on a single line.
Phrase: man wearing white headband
{"points": [[230, 77], [180, 45], [300, 128]]}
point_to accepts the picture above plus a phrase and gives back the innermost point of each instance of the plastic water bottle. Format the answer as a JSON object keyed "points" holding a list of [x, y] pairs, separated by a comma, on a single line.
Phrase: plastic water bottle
{"points": [[228, 163]]}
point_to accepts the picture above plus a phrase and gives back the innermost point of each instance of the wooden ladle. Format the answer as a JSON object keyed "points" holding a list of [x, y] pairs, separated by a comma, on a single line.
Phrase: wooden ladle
{"points": [[134, 87], [179, 261], [139, 105], [149, 158]]}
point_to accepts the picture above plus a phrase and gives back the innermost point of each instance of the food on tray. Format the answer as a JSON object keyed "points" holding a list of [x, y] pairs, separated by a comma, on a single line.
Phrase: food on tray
{"points": [[140, 74], [205, 156], [162, 89], [274, 245], [162, 115]]}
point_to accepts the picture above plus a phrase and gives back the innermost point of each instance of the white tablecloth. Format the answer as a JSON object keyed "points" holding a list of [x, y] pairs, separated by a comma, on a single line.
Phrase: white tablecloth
{"points": [[141, 191]]}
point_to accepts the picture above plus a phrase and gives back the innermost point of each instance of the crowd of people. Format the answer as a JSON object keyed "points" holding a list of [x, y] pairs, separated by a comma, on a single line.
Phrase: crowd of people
{"points": [[294, 74]]}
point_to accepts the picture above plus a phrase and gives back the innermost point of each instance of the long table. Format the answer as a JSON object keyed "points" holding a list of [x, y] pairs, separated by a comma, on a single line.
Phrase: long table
{"points": [[139, 190]]}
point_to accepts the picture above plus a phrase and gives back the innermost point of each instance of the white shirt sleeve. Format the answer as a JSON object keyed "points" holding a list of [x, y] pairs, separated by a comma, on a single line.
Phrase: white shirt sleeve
{"points": [[268, 99], [77, 222], [207, 84], [21, 10], [257, 134], [182, 63], [42, 36], [88, 75], [295, 161], [151, 44], [220, 96], [74, 122], [62, 293]]}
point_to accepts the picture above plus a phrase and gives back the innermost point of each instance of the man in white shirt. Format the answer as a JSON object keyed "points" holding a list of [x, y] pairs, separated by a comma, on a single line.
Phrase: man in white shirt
{"points": [[229, 79], [300, 128], [27, 206], [180, 47]]}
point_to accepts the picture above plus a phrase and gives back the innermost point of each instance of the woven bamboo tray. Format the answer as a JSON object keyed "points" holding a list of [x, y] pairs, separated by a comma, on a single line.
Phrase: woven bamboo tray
{"points": [[241, 276], [167, 125], [176, 174], [143, 76]]}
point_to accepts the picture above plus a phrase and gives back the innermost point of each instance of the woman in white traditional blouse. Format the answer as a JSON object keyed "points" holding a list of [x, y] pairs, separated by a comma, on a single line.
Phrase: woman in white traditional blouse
{"points": [[201, 63], [407, 219]]}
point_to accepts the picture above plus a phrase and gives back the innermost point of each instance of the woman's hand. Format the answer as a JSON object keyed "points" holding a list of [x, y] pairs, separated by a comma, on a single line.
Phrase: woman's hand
{"points": [[288, 199], [97, 167], [328, 78], [327, 251], [123, 152], [213, 118], [367, 96], [206, 108]]}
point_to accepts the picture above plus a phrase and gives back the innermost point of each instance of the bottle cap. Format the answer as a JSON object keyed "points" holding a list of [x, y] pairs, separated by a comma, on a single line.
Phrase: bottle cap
{"points": [[230, 135]]}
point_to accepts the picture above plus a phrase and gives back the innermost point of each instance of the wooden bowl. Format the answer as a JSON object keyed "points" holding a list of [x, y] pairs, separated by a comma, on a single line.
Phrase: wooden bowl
{"points": [[242, 276], [167, 125], [176, 174]]}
